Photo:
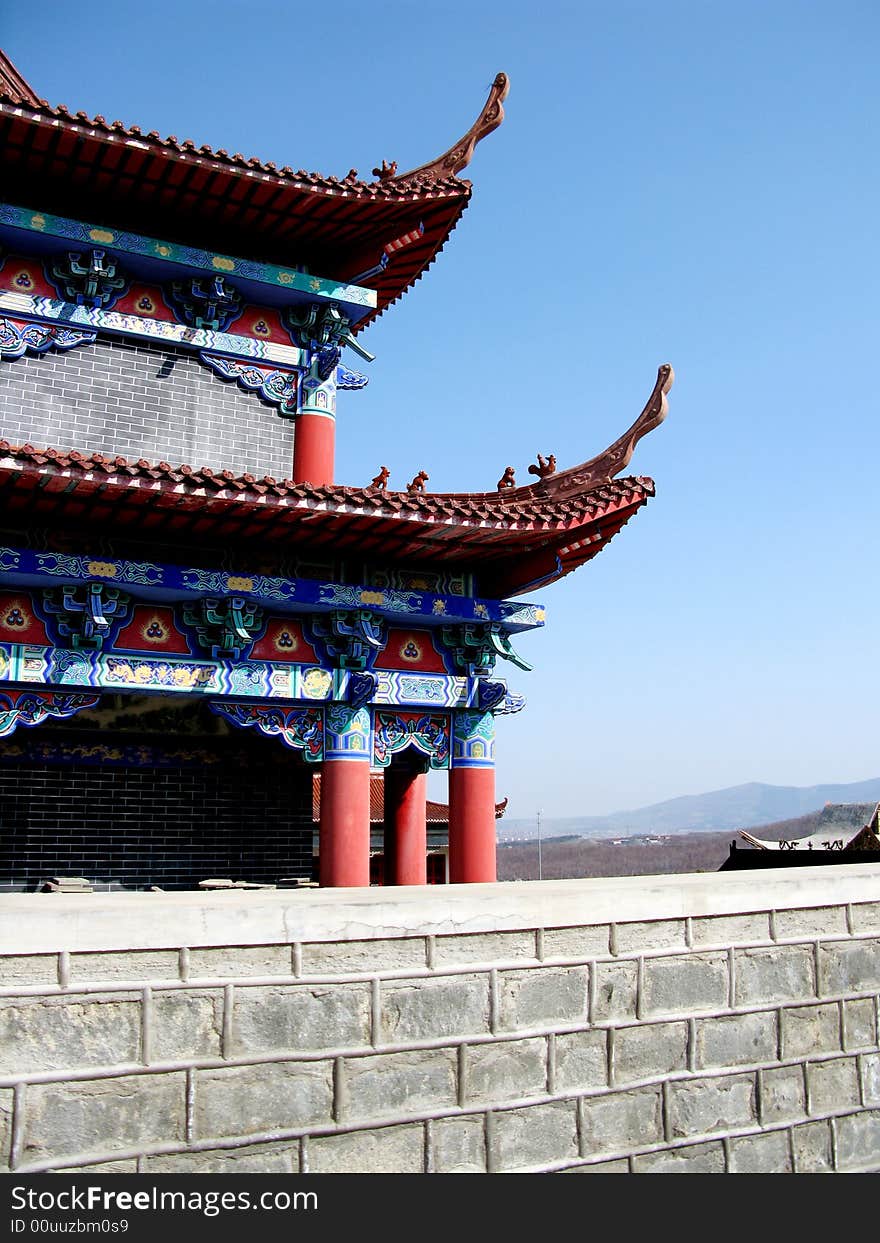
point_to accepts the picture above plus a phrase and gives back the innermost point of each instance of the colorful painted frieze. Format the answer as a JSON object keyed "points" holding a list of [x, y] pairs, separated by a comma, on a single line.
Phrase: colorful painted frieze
{"points": [[413, 608]]}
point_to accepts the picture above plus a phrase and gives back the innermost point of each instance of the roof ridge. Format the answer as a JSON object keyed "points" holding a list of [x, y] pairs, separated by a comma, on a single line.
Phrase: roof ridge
{"points": [[300, 178], [510, 502]]}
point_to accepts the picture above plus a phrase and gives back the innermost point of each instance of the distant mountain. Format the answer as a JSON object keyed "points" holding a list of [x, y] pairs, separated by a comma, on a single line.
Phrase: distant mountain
{"points": [[740, 807]]}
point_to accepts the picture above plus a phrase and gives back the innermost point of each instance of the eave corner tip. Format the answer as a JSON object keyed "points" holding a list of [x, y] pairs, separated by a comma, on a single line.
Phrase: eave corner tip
{"points": [[665, 381], [457, 158], [605, 466]]}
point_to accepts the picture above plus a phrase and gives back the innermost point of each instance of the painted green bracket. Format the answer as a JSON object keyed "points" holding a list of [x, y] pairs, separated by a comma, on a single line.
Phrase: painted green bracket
{"points": [[475, 647], [224, 627], [84, 614], [350, 638], [502, 645]]}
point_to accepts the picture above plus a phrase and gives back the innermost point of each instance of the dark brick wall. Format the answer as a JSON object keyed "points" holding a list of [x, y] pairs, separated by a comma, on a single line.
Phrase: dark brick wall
{"points": [[159, 404], [247, 816]]}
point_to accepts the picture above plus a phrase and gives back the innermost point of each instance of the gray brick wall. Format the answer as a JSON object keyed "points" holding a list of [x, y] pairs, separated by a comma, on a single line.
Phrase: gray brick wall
{"points": [[736, 1044], [160, 404]]}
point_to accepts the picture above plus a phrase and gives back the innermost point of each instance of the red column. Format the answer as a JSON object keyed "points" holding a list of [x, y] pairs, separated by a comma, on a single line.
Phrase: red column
{"points": [[313, 449], [345, 823], [405, 795], [471, 825]]}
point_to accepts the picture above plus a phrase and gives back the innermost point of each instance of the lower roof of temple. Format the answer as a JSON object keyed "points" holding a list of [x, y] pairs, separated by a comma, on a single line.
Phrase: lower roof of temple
{"points": [[513, 539]]}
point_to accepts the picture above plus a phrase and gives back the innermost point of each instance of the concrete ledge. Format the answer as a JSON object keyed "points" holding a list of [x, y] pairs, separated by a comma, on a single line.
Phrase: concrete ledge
{"points": [[51, 923]]}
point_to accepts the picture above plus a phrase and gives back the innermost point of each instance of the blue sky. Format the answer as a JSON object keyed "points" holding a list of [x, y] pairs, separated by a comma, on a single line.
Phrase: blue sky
{"points": [[686, 182]]}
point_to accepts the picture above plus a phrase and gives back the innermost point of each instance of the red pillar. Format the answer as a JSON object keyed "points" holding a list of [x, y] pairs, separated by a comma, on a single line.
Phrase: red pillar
{"points": [[405, 796], [345, 823], [471, 825], [313, 449]]}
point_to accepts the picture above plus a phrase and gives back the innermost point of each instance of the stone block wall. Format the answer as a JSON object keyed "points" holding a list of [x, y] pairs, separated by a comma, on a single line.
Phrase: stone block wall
{"points": [[483, 1028], [119, 398]]}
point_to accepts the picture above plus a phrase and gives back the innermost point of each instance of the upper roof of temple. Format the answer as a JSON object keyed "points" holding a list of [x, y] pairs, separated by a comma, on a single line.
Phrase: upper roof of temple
{"points": [[113, 174]]}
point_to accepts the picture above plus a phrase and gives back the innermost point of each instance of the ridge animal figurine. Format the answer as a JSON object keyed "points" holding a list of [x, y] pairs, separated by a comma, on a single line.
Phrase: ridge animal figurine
{"points": [[380, 480], [508, 479], [418, 484], [544, 466]]}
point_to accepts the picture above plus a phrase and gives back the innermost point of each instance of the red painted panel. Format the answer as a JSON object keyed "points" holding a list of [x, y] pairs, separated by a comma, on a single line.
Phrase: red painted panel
{"points": [[262, 323], [25, 276], [152, 629], [410, 650], [18, 621], [284, 640], [146, 301]]}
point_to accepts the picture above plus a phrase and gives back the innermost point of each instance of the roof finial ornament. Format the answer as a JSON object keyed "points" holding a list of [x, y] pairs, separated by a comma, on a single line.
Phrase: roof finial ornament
{"points": [[386, 170], [380, 481], [544, 467], [508, 479], [451, 162], [418, 483], [602, 468]]}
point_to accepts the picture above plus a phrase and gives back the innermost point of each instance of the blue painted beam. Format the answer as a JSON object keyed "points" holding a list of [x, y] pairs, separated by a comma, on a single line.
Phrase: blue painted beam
{"points": [[22, 225], [152, 581]]}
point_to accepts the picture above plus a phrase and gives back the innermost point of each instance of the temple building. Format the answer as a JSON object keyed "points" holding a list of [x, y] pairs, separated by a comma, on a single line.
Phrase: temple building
{"points": [[196, 618]]}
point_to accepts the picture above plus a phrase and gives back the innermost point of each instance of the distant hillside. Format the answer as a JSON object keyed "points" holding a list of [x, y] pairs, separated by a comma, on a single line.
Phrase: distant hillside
{"points": [[633, 856], [571, 857], [740, 807]]}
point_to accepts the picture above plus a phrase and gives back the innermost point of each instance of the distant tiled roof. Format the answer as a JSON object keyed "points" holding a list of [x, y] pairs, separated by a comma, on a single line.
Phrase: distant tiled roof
{"points": [[840, 826], [845, 816]]}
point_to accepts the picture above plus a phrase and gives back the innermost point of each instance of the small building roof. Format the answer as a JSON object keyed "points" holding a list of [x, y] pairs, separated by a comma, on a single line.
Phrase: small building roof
{"points": [[841, 826]]}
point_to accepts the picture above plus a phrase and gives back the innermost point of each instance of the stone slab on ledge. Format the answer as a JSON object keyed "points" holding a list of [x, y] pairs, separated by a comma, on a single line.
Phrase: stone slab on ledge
{"points": [[51, 923]]}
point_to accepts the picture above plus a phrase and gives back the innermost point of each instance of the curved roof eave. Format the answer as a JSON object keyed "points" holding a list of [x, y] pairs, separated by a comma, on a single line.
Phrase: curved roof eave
{"points": [[32, 147]]}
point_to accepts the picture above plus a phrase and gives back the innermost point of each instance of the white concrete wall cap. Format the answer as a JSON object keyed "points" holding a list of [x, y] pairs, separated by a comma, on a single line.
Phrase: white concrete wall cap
{"points": [[50, 923]]}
